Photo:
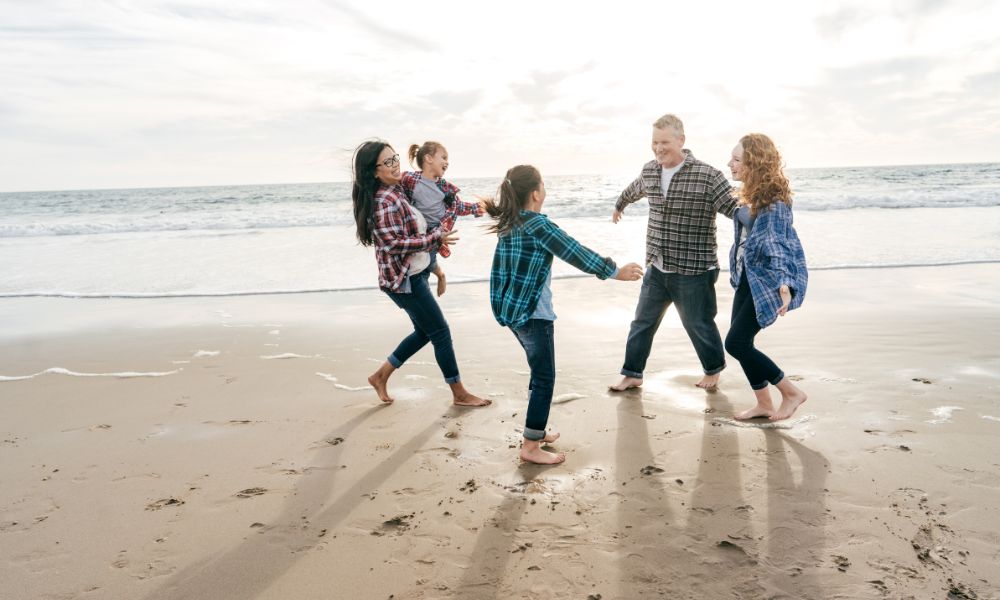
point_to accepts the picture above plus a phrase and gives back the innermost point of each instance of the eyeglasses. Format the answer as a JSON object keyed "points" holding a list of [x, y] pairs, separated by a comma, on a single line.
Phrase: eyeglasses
{"points": [[390, 162]]}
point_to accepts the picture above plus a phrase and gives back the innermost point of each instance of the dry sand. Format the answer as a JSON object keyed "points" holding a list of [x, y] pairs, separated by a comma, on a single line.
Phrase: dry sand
{"points": [[248, 460]]}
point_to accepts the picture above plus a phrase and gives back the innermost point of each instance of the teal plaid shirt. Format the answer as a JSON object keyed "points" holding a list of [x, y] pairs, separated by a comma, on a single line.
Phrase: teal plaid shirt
{"points": [[523, 259]]}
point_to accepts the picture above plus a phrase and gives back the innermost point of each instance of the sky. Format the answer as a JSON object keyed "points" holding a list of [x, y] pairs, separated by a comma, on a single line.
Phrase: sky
{"points": [[121, 93]]}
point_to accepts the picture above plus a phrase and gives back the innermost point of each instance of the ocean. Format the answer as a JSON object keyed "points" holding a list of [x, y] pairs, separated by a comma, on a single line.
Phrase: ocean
{"points": [[299, 238]]}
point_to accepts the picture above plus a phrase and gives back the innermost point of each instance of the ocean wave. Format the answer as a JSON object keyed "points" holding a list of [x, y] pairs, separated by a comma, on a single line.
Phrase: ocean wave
{"points": [[62, 371], [228, 216], [215, 224]]}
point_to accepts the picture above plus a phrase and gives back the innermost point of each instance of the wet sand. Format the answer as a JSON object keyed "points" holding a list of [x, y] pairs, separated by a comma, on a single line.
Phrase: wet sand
{"points": [[230, 448]]}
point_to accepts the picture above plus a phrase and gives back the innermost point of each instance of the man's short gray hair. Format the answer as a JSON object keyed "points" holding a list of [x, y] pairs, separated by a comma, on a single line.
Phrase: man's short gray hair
{"points": [[671, 121]]}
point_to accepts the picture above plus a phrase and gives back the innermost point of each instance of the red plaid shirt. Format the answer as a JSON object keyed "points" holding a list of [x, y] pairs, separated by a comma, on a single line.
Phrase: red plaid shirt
{"points": [[457, 208], [397, 236]]}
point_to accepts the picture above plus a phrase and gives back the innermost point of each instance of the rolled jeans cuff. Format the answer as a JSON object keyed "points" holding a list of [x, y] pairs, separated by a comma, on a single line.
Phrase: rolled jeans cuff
{"points": [[395, 362], [451, 380], [632, 374], [775, 381], [714, 371], [535, 435]]}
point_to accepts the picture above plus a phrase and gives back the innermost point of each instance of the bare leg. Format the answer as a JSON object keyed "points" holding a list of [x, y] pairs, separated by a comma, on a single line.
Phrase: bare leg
{"points": [[380, 380], [531, 451], [463, 397], [442, 283], [709, 382], [791, 398], [764, 408], [626, 383]]}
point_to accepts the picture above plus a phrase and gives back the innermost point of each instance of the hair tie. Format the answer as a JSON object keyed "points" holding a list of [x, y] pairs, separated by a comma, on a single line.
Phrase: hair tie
{"points": [[507, 181]]}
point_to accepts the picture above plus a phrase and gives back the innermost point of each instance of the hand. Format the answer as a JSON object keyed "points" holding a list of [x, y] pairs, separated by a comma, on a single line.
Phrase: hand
{"points": [[482, 204], [449, 237], [442, 283], [786, 299], [616, 216], [629, 272]]}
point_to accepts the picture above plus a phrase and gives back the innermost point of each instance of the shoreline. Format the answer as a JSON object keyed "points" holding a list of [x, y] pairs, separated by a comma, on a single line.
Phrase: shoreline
{"points": [[261, 467], [374, 287]]}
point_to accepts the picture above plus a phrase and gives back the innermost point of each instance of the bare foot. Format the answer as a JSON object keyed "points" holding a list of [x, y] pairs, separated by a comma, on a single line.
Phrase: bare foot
{"points": [[550, 437], [789, 402], [532, 452], [468, 399], [757, 411], [378, 381], [709, 382], [627, 383]]}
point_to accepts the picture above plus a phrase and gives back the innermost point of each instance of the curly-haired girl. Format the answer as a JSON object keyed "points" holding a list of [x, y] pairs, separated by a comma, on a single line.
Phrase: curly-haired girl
{"points": [[767, 267]]}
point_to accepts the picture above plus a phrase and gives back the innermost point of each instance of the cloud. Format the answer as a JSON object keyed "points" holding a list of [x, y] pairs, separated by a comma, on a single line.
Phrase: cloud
{"points": [[834, 25], [385, 35], [197, 12], [453, 103], [541, 89]]}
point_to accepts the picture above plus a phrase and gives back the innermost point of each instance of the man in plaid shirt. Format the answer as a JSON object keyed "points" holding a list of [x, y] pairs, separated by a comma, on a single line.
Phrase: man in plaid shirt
{"points": [[684, 195]]}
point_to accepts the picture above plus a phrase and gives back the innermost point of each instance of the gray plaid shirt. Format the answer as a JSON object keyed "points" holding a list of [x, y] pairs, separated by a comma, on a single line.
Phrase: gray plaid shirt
{"points": [[680, 235]]}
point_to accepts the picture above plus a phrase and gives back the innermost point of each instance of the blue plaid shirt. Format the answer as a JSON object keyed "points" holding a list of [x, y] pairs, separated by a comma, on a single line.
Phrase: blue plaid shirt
{"points": [[772, 257], [523, 260]]}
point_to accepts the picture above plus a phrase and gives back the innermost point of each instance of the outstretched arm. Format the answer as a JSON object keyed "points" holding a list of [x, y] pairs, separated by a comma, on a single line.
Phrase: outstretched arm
{"points": [[561, 244], [635, 191]]}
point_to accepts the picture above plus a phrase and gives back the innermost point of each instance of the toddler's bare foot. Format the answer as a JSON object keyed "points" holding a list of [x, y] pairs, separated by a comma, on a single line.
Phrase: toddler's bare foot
{"points": [[379, 382], [789, 402], [627, 383], [709, 382], [757, 411], [468, 399]]}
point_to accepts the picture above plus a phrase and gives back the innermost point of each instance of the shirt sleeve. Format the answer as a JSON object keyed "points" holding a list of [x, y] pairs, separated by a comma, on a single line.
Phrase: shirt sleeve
{"points": [[561, 244], [635, 191], [776, 246], [463, 209], [724, 200], [409, 181], [390, 229]]}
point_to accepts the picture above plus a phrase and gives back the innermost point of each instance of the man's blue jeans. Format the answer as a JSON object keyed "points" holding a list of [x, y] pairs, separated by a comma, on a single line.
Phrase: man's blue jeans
{"points": [[538, 340], [694, 297], [429, 325]]}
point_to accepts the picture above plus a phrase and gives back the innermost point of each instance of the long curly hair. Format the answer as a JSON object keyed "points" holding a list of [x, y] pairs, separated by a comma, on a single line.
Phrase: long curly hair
{"points": [[764, 180], [364, 186]]}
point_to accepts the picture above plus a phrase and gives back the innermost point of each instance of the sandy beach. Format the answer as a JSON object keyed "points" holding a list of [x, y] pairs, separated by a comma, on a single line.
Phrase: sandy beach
{"points": [[230, 448]]}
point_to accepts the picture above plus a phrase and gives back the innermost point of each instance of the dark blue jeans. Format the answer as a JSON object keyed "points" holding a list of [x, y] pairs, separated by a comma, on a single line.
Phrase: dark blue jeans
{"points": [[428, 326], [759, 369], [538, 340], [694, 297]]}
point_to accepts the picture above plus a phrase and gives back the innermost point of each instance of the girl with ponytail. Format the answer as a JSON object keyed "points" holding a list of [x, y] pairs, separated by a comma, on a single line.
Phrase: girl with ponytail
{"points": [[521, 295], [435, 198]]}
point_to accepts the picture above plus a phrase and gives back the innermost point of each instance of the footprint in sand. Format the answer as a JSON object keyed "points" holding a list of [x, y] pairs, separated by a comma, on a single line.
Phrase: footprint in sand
{"points": [[251, 492], [163, 503]]}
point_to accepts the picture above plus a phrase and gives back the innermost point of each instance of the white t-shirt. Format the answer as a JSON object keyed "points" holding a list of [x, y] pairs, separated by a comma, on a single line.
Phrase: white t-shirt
{"points": [[665, 176]]}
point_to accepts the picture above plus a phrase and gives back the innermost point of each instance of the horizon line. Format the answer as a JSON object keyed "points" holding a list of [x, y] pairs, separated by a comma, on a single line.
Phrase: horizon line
{"points": [[276, 183]]}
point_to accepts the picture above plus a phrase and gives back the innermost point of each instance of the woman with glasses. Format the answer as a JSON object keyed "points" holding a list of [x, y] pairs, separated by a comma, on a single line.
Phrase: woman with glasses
{"points": [[386, 220]]}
